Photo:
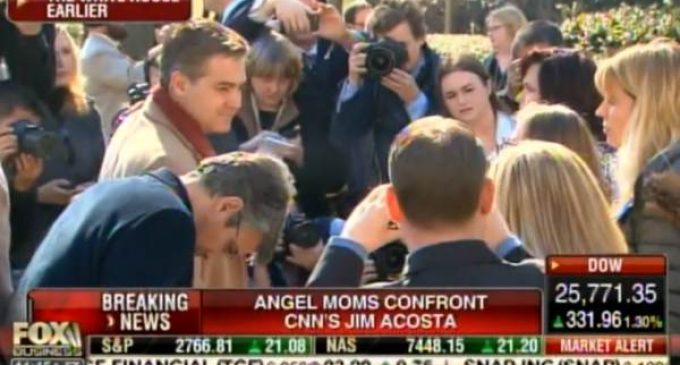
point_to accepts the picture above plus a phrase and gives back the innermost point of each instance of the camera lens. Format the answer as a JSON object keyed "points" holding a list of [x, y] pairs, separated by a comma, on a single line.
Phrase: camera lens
{"points": [[380, 62]]}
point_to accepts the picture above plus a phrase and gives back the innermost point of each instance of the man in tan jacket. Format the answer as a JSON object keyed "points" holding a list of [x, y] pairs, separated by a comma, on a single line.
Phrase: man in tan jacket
{"points": [[202, 71]]}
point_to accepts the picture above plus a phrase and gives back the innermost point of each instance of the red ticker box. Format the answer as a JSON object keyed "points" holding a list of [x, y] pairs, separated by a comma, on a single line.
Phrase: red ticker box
{"points": [[606, 265], [120, 311], [372, 312], [606, 345], [100, 11]]}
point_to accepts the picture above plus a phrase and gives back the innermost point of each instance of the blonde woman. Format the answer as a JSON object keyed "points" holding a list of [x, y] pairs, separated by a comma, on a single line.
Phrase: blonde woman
{"points": [[501, 26], [68, 76], [552, 201], [641, 106], [641, 112]]}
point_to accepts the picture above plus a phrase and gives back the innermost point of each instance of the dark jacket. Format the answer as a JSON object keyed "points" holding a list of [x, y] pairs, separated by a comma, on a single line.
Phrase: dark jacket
{"points": [[365, 125], [30, 219], [116, 235], [468, 263], [245, 125], [517, 255], [499, 78], [652, 225], [29, 59], [315, 98]]}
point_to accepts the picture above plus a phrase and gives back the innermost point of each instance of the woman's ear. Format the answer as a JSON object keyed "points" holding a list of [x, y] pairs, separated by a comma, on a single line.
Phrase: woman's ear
{"points": [[396, 214]]}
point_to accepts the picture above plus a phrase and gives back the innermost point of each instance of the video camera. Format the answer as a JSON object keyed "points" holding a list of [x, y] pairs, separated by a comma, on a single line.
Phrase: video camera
{"points": [[138, 92], [389, 260], [300, 231], [33, 139], [384, 56]]}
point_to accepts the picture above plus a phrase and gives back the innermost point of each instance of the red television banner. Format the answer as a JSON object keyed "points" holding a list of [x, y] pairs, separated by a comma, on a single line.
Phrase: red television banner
{"points": [[120, 311], [606, 265], [99, 10], [606, 345], [301, 311]]}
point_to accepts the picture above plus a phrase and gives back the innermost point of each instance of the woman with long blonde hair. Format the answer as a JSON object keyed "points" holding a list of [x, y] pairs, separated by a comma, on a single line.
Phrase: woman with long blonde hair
{"points": [[552, 201], [641, 112], [641, 106], [69, 81]]}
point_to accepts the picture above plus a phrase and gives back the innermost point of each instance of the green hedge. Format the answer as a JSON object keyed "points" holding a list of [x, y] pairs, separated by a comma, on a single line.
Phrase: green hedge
{"points": [[607, 31], [455, 44]]}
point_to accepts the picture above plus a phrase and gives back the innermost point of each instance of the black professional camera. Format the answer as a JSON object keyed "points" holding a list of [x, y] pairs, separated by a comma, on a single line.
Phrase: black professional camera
{"points": [[383, 57], [301, 231], [390, 260], [35, 140], [138, 92]]}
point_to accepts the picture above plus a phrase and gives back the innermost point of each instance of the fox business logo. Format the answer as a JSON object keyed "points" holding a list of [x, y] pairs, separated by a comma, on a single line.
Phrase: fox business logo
{"points": [[47, 339]]}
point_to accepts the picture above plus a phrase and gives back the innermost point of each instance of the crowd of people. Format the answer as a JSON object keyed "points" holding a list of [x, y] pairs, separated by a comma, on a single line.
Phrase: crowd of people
{"points": [[282, 143]]}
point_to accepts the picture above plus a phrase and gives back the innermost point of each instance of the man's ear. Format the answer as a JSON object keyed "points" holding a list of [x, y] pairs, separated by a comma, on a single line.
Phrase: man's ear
{"points": [[487, 196], [228, 205], [178, 82], [396, 214]]}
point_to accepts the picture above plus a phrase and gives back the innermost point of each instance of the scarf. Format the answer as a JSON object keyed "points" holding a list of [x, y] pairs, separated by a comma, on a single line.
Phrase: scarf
{"points": [[185, 123]]}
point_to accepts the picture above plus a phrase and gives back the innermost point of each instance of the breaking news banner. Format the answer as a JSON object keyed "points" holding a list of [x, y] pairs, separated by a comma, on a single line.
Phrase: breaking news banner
{"points": [[595, 310], [100, 10], [303, 311]]}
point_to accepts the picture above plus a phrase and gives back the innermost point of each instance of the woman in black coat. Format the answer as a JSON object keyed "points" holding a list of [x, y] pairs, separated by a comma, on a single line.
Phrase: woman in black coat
{"points": [[63, 176]]}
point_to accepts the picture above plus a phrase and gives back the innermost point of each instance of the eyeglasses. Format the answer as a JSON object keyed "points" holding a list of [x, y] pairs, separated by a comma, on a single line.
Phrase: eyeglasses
{"points": [[233, 249], [494, 28]]}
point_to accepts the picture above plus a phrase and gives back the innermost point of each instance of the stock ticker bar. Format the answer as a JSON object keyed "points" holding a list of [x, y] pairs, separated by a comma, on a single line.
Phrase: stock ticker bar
{"points": [[304, 346], [383, 360]]}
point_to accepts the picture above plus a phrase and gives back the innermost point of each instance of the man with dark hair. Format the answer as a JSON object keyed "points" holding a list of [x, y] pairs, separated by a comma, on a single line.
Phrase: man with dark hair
{"points": [[372, 109], [144, 231], [438, 203], [536, 34], [356, 15], [202, 72]]}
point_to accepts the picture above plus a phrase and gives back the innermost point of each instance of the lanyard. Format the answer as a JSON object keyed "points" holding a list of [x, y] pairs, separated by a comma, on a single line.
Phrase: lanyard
{"points": [[256, 112]]}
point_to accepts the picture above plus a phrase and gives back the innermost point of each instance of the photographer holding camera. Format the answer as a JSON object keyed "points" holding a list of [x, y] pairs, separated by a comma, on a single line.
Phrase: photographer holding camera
{"points": [[36, 159], [391, 82], [61, 147], [440, 203]]}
